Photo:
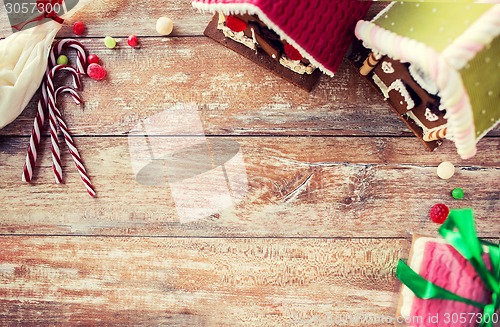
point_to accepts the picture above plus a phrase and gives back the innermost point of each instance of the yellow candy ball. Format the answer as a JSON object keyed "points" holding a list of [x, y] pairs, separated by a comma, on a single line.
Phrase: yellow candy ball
{"points": [[164, 26]]}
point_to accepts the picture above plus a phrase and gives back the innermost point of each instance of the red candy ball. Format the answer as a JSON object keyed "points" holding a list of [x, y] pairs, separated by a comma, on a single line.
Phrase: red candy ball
{"points": [[439, 212], [133, 41], [95, 71], [292, 53], [235, 24], [93, 59], [78, 28]]}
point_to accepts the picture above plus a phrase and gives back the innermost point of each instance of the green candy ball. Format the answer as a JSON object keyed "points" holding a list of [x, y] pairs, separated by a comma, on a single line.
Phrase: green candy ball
{"points": [[457, 193], [109, 42], [62, 60]]}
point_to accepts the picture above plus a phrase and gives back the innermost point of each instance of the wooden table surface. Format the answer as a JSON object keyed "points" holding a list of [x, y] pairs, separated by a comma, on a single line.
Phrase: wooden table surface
{"points": [[320, 191]]}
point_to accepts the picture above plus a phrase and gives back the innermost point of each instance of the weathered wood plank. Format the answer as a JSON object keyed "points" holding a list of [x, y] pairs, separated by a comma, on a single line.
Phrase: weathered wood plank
{"points": [[197, 282], [233, 95], [124, 17], [332, 187]]}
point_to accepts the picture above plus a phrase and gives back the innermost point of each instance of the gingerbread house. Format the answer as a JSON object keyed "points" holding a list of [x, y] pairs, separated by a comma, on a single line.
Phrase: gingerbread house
{"points": [[437, 65], [296, 39]]}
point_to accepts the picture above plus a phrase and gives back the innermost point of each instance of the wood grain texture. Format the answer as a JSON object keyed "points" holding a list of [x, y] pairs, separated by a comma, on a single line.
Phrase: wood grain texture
{"points": [[125, 17], [333, 187], [197, 282], [234, 96], [324, 191]]}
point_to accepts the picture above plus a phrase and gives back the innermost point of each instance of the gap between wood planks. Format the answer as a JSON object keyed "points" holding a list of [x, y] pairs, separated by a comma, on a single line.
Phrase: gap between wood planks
{"points": [[211, 237]]}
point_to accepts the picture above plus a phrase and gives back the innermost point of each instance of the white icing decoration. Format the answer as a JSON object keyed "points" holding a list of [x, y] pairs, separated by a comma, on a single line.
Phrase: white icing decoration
{"points": [[387, 67], [251, 9], [222, 20], [253, 37], [426, 130], [296, 65], [384, 11], [422, 79], [240, 37], [430, 116], [397, 85]]}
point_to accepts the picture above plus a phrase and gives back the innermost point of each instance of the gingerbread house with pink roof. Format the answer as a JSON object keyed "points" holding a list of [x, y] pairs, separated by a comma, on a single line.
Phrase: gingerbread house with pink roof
{"points": [[296, 39]]}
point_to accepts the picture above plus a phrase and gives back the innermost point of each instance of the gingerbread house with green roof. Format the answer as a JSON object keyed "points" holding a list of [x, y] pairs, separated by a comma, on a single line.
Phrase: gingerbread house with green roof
{"points": [[438, 66]]}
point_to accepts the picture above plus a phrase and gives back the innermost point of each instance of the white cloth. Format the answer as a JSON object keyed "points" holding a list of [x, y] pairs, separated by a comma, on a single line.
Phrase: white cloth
{"points": [[23, 61]]}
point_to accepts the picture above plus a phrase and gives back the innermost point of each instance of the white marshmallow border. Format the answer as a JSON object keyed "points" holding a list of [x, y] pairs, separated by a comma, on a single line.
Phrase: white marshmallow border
{"points": [[443, 68]]}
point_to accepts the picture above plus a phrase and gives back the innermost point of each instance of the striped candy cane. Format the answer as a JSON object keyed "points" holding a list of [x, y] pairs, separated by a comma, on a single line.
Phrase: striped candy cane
{"points": [[43, 103], [69, 140], [80, 52], [56, 152], [35, 138]]}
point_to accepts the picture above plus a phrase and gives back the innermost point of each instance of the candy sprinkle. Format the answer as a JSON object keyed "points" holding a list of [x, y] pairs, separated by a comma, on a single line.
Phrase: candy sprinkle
{"points": [[458, 193], [78, 28], [62, 60], [96, 71], [164, 26], [445, 170], [109, 42], [93, 59], [439, 212], [133, 41]]}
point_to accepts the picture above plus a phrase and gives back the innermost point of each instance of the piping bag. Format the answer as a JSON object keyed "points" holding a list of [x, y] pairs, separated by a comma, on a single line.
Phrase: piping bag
{"points": [[23, 61]]}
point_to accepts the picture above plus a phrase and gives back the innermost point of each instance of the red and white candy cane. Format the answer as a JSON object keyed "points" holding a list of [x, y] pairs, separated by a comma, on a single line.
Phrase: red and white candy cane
{"points": [[56, 152], [35, 138], [81, 62], [69, 140], [43, 102]]}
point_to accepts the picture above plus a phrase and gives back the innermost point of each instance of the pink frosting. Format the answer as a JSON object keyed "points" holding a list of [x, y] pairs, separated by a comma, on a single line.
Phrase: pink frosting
{"points": [[445, 267]]}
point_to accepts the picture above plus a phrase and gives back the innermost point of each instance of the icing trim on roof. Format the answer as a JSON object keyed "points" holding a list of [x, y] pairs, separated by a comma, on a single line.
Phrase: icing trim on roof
{"points": [[453, 94], [383, 11], [245, 8], [474, 39]]}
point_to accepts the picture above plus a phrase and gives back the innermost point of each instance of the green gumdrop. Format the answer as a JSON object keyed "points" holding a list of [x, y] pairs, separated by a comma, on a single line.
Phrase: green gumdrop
{"points": [[457, 193], [62, 60], [109, 42]]}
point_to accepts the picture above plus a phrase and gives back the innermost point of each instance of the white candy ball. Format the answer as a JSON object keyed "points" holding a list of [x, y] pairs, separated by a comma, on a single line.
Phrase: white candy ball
{"points": [[445, 170], [164, 25]]}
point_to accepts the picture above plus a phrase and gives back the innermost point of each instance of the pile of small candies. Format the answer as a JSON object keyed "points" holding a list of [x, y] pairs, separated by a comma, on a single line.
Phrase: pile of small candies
{"points": [[164, 26], [439, 212]]}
